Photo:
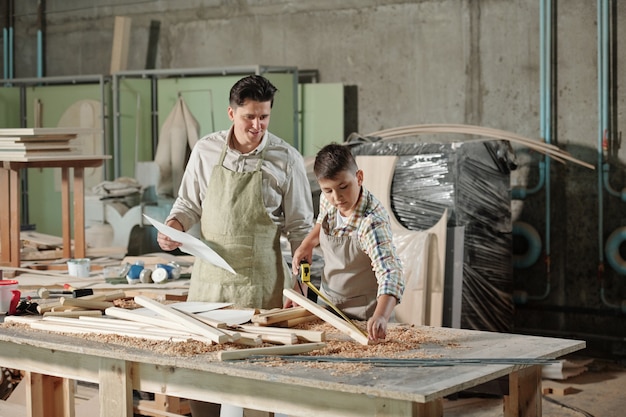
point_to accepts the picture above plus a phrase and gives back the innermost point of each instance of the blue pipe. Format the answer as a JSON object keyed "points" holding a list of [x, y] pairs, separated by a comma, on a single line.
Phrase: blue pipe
{"points": [[607, 184], [547, 134], [10, 53], [545, 96], [601, 127], [520, 193], [5, 36], [39, 54]]}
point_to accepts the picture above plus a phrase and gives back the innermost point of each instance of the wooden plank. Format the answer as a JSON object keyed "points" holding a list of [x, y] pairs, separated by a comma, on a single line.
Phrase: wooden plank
{"points": [[190, 323], [109, 296], [79, 302], [135, 317], [141, 334], [243, 338], [121, 44], [295, 322], [272, 350], [275, 316], [306, 335], [41, 239], [73, 313], [327, 316]]}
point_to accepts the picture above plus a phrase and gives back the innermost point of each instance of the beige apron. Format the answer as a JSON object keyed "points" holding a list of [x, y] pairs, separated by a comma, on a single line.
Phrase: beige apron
{"points": [[348, 280], [237, 226]]}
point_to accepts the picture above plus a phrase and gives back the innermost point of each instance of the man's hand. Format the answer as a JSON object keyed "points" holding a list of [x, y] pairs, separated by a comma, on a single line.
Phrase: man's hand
{"points": [[164, 241]]}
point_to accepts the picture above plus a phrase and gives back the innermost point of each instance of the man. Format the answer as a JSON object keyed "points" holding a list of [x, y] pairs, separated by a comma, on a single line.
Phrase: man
{"points": [[246, 187]]}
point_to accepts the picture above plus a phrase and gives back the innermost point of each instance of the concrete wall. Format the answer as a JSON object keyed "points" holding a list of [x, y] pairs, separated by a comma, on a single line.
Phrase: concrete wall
{"points": [[424, 61]]}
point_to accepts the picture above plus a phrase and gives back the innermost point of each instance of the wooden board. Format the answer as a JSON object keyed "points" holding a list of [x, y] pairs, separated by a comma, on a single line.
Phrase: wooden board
{"points": [[190, 323], [225, 355], [327, 316], [121, 44]]}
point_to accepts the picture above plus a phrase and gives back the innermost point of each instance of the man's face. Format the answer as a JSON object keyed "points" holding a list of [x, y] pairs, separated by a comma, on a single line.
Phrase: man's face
{"points": [[250, 122], [343, 191]]}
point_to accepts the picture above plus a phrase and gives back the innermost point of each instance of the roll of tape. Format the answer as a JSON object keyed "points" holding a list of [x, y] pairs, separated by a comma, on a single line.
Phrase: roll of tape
{"points": [[159, 275]]}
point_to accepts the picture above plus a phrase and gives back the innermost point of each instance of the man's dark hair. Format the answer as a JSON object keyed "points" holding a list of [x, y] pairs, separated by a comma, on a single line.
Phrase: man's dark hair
{"points": [[252, 87], [333, 159]]}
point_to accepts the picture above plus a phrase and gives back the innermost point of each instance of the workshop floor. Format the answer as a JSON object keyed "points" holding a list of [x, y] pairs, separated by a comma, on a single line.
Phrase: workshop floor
{"points": [[597, 392]]}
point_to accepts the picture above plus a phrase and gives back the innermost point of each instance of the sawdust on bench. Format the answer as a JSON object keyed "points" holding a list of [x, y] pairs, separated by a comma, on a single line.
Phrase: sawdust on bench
{"points": [[403, 341]]}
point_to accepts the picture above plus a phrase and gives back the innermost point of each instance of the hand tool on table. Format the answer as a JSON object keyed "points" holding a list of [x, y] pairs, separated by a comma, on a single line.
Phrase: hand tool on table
{"points": [[75, 293], [305, 277]]}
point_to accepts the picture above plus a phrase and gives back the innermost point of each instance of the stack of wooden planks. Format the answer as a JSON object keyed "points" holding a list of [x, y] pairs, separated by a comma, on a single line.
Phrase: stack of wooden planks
{"points": [[176, 323], [23, 143], [163, 322]]}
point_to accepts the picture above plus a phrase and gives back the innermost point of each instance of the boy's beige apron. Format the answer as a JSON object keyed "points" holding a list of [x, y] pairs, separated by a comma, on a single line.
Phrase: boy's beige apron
{"points": [[237, 226], [347, 271]]}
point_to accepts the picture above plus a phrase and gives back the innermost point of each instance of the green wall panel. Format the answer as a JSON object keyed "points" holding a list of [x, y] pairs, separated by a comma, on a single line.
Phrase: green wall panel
{"points": [[322, 116], [44, 196], [135, 124], [9, 107]]}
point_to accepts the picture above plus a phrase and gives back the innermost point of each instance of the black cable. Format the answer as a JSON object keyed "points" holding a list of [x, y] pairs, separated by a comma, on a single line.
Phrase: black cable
{"points": [[579, 410]]}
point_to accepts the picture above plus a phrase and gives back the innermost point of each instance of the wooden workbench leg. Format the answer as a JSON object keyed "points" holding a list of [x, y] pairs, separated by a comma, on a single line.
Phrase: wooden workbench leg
{"points": [[15, 198], [5, 221], [256, 413], [524, 399], [49, 396], [391, 408], [65, 212], [116, 388], [80, 248]]}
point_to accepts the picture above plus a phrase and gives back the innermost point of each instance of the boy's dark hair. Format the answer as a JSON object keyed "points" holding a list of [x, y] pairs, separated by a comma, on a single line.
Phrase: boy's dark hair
{"points": [[253, 87], [333, 159]]}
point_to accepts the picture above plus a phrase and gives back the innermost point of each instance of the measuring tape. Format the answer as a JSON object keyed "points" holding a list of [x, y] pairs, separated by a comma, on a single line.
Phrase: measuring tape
{"points": [[305, 277]]}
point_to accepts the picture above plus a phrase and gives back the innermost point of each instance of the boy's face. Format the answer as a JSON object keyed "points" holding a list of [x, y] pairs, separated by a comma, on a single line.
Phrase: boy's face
{"points": [[343, 191]]}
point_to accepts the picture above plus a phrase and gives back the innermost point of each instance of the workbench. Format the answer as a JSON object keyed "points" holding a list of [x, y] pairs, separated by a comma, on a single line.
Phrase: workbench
{"points": [[10, 202], [52, 361]]}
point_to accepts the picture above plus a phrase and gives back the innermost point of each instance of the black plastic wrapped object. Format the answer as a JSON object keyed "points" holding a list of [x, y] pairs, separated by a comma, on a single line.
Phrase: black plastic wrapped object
{"points": [[472, 181]]}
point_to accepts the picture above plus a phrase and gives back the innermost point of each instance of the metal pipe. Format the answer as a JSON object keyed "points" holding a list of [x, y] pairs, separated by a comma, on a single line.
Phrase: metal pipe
{"points": [[600, 145], [41, 25]]}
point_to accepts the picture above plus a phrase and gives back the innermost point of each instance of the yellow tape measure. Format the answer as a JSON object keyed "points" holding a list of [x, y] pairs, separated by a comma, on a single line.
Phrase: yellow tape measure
{"points": [[305, 276]]}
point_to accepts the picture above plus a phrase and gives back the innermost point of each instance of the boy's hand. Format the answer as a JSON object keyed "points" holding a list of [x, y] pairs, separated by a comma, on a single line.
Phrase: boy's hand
{"points": [[377, 328]]}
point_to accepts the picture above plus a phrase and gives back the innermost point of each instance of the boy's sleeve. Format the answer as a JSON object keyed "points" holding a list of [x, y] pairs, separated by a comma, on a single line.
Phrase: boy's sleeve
{"points": [[324, 207], [376, 240]]}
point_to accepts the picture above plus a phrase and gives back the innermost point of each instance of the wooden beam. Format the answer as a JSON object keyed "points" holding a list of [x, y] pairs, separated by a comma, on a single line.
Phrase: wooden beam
{"points": [[121, 44], [190, 323], [330, 318], [91, 304], [272, 350], [73, 313], [278, 315], [306, 335]]}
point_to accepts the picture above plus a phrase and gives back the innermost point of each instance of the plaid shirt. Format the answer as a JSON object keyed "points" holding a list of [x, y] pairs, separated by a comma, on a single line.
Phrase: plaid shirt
{"points": [[370, 225]]}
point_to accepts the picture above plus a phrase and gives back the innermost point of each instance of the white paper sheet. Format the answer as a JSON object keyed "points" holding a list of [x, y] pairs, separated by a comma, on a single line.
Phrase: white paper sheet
{"points": [[191, 245]]}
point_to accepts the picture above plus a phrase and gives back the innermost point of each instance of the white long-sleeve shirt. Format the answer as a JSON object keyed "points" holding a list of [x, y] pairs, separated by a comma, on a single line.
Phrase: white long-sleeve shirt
{"points": [[286, 189]]}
